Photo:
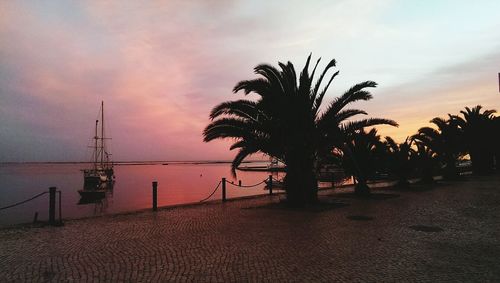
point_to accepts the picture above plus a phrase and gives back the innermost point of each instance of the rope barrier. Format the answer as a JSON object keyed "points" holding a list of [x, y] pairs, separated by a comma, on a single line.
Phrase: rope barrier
{"points": [[247, 186], [212, 192], [24, 201]]}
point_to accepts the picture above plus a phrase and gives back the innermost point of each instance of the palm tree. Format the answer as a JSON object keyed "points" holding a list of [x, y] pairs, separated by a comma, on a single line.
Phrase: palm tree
{"points": [[400, 159], [286, 122], [361, 158], [446, 142], [477, 127], [425, 161]]}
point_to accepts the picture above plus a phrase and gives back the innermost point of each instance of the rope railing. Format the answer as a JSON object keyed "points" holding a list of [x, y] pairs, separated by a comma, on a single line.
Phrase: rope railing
{"points": [[217, 187], [24, 201], [52, 205], [246, 186]]}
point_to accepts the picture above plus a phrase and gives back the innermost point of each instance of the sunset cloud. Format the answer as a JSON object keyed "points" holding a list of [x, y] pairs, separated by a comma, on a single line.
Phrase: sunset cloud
{"points": [[161, 66]]}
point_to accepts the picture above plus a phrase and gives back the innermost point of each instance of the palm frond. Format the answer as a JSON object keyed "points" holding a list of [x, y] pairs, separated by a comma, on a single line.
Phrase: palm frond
{"points": [[259, 86], [331, 64], [348, 113], [241, 108], [489, 113], [239, 144], [228, 128], [273, 76], [428, 131], [358, 125], [315, 66], [355, 93], [240, 156], [319, 98], [439, 122], [305, 79], [391, 143], [288, 77]]}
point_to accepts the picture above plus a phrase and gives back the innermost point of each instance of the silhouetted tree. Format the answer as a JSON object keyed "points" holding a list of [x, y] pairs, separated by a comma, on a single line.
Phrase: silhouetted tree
{"points": [[496, 142], [446, 142], [400, 160], [286, 122], [478, 127], [425, 162], [361, 158]]}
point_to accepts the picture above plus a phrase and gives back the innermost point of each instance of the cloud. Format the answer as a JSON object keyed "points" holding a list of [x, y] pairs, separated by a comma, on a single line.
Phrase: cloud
{"points": [[161, 66], [445, 90], [156, 78]]}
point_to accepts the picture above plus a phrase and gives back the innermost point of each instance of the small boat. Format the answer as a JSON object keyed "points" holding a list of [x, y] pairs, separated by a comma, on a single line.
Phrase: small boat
{"points": [[273, 166], [102, 167], [253, 168], [94, 194]]}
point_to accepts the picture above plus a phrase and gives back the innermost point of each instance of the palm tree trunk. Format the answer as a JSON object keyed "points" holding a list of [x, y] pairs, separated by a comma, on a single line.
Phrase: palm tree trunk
{"points": [[403, 182], [300, 181], [427, 175], [361, 188], [497, 161], [482, 162], [450, 169]]}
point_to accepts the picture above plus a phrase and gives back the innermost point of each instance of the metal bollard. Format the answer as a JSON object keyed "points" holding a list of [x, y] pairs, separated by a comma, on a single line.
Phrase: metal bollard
{"points": [[52, 205], [60, 208], [270, 184], [239, 183], [223, 189], [155, 196]]}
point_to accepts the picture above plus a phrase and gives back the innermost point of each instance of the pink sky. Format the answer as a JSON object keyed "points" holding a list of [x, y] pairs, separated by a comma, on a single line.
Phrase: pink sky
{"points": [[161, 66]]}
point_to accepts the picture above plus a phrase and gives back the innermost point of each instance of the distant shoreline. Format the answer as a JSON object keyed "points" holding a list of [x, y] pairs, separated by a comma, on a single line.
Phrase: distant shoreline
{"points": [[118, 163]]}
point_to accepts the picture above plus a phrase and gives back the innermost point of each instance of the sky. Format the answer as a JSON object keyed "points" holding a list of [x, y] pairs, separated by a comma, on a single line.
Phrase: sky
{"points": [[160, 66]]}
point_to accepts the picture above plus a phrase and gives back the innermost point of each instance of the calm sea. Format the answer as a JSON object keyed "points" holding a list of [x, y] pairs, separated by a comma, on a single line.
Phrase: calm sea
{"points": [[177, 184]]}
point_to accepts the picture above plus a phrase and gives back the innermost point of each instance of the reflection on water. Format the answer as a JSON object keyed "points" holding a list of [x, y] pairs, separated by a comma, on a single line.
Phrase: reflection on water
{"points": [[99, 203], [132, 190], [98, 198]]}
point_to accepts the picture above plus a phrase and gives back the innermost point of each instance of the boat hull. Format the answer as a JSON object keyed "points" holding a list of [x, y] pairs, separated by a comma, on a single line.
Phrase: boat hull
{"points": [[90, 180], [92, 194], [261, 169]]}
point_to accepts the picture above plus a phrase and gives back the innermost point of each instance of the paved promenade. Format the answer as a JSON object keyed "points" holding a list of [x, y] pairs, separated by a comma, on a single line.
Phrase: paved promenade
{"points": [[448, 233]]}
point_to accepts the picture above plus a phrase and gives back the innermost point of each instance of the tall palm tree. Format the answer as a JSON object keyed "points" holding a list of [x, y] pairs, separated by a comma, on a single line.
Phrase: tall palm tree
{"points": [[445, 141], [477, 127], [286, 122], [400, 160]]}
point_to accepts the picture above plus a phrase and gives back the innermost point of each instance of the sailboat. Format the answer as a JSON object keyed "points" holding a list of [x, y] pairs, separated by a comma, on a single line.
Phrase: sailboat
{"points": [[101, 175]]}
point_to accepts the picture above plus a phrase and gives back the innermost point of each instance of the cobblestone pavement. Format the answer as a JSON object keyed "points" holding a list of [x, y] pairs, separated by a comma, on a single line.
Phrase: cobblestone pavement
{"points": [[447, 233]]}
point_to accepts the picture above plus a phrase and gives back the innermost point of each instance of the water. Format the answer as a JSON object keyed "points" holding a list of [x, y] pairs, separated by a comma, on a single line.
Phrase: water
{"points": [[177, 184]]}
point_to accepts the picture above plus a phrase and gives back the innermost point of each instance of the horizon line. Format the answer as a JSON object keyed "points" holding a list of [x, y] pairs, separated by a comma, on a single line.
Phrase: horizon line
{"points": [[129, 161]]}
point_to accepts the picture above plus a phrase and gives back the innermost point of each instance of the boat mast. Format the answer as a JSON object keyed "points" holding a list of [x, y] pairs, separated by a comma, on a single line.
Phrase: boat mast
{"points": [[95, 148], [102, 134]]}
